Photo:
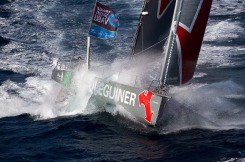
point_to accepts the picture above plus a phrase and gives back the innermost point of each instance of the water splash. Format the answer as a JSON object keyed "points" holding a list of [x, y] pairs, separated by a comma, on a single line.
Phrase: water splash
{"points": [[204, 106]]}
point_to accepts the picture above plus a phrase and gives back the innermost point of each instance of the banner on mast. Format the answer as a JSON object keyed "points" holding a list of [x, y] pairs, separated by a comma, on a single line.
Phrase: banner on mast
{"points": [[104, 23]]}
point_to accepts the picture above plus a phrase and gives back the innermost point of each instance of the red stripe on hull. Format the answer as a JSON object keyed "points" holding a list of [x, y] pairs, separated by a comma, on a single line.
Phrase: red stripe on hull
{"points": [[191, 42]]}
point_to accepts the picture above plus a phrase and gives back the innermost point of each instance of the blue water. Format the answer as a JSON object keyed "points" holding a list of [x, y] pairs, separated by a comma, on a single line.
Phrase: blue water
{"points": [[204, 121]]}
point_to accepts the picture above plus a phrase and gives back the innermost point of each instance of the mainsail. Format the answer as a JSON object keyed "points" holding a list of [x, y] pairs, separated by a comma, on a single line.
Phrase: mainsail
{"points": [[185, 39], [104, 22], [154, 27]]}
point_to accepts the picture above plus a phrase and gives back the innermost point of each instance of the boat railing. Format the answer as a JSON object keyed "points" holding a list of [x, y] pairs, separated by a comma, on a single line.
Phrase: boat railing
{"points": [[59, 65], [62, 65], [158, 88]]}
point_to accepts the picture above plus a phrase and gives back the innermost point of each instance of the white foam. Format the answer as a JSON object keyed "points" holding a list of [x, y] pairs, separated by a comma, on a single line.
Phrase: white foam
{"points": [[220, 56], [199, 75], [37, 97], [223, 31], [233, 160]]}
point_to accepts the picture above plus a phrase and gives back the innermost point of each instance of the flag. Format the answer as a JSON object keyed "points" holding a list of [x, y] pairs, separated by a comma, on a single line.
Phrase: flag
{"points": [[104, 23]]}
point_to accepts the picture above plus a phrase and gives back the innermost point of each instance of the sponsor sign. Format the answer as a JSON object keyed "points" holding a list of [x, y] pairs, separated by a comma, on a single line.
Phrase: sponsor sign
{"points": [[144, 105]]}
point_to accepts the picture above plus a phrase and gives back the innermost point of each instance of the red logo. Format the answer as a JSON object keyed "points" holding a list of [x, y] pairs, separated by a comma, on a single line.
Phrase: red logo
{"points": [[146, 101], [162, 7]]}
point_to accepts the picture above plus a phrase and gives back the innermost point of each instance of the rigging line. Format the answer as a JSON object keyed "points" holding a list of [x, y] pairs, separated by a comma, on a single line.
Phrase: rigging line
{"points": [[139, 52], [150, 47], [142, 46], [138, 29], [170, 55]]}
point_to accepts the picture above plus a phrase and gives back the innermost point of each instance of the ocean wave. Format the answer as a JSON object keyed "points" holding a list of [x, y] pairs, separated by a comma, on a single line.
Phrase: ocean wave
{"points": [[4, 41]]}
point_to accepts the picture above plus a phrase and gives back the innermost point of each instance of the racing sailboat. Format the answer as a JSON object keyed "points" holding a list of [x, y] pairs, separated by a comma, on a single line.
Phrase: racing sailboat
{"points": [[180, 26], [171, 30]]}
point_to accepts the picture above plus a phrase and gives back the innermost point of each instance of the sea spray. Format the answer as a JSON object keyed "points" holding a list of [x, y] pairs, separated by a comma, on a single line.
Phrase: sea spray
{"points": [[203, 106]]}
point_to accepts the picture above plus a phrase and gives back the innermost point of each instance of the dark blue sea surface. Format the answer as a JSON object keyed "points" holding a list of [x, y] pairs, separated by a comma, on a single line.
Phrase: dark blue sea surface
{"points": [[204, 121]]}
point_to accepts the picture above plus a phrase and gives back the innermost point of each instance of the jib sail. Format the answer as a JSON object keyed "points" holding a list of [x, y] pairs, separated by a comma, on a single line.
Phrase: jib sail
{"points": [[185, 39]]}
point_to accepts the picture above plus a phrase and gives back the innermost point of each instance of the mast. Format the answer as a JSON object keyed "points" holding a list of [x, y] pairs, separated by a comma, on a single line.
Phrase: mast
{"points": [[104, 25], [88, 52], [88, 39], [171, 39]]}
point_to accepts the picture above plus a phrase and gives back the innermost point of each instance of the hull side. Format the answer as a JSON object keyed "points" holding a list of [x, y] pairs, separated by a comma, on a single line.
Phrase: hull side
{"points": [[143, 105]]}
